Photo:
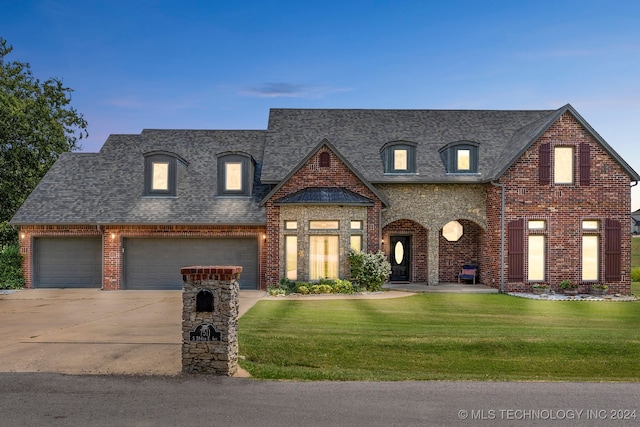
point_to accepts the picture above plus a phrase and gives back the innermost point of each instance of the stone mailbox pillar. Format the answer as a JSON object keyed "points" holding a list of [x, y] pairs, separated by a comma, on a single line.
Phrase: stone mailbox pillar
{"points": [[210, 319]]}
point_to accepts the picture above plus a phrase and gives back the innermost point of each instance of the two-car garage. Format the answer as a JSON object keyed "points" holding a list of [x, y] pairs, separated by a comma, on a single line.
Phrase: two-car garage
{"points": [[148, 263]]}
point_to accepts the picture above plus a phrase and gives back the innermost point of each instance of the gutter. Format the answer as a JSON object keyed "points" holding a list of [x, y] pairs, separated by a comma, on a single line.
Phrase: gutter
{"points": [[502, 206]]}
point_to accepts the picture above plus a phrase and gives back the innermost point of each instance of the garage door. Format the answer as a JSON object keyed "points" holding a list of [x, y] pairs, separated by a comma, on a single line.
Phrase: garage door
{"points": [[156, 263], [60, 262]]}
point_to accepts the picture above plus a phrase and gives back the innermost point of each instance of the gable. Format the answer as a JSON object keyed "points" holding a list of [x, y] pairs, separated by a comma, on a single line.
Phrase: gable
{"points": [[324, 168]]}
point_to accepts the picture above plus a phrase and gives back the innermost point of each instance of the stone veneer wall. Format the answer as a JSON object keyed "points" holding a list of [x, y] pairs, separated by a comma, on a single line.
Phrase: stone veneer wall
{"points": [[304, 214], [215, 353], [432, 206]]}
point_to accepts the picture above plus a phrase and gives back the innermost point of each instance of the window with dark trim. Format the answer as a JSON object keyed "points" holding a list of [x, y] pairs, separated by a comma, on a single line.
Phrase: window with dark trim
{"points": [[235, 175], [160, 175], [460, 157], [527, 241], [399, 157], [563, 164]]}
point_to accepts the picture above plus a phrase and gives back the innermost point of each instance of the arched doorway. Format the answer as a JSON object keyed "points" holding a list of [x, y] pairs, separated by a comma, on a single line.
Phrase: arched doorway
{"points": [[459, 244]]}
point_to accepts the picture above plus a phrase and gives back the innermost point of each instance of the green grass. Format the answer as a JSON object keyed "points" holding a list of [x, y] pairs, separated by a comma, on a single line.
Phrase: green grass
{"points": [[442, 337]]}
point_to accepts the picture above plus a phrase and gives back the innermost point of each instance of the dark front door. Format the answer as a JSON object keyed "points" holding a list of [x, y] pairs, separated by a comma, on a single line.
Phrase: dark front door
{"points": [[400, 258]]}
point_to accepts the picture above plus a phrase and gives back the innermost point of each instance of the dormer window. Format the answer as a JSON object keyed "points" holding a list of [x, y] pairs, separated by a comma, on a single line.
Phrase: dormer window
{"points": [[399, 157], [460, 157], [160, 174], [235, 174]]}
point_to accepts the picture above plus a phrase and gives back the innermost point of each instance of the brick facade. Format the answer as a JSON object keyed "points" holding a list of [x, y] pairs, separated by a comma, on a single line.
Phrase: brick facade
{"points": [[112, 238], [420, 211], [311, 174], [563, 207]]}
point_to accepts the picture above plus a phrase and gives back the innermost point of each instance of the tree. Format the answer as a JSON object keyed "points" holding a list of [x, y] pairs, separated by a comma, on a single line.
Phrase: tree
{"points": [[37, 124]]}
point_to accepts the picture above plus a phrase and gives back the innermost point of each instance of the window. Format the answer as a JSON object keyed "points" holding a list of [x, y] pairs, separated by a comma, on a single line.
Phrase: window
{"points": [[356, 242], [291, 225], [533, 233], [324, 225], [323, 253], [235, 174], [536, 257], [590, 257], [460, 157], [291, 257], [563, 165], [452, 231], [399, 157], [160, 174], [356, 225], [463, 160]]}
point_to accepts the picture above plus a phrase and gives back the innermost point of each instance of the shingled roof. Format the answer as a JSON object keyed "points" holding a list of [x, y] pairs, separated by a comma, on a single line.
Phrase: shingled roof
{"points": [[360, 134], [108, 187]]}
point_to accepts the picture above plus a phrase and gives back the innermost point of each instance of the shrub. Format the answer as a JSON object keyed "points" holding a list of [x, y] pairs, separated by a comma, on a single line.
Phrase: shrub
{"points": [[10, 268], [275, 290], [302, 289], [325, 289], [635, 274], [342, 287], [369, 270]]}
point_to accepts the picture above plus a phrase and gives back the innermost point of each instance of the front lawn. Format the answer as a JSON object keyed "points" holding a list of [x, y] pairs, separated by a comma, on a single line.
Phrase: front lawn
{"points": [[442, 337]]}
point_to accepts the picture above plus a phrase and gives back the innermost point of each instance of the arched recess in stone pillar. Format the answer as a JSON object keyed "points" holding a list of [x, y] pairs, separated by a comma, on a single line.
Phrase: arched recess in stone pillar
{"points": [[407, 238], [459, 244]]}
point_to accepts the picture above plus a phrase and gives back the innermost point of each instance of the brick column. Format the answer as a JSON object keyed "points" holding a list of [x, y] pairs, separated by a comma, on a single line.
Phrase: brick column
{"points": [[210, 319]]}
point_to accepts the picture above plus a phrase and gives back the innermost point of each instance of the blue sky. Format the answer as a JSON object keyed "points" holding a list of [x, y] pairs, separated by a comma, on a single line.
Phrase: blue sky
{"points": [[222, 64]]}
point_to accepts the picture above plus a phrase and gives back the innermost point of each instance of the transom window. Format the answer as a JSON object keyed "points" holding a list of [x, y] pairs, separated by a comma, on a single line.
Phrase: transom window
{"points": [[324, 225], [399, 157]]}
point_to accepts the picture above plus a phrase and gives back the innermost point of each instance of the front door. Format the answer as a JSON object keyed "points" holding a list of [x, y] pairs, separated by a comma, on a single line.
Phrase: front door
{"points": [[400, 258]]}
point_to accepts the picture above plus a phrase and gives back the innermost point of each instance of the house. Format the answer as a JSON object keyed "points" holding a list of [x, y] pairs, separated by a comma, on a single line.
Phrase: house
{"points": [[635, 222], [527, 196]]}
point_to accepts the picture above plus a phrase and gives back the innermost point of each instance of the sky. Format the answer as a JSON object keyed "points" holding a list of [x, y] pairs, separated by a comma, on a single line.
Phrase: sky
{"points": [[199, 64]]}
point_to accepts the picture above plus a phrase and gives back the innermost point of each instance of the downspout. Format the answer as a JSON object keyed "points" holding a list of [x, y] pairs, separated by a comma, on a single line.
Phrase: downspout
{"points": [[99, 227], [502, 204]]}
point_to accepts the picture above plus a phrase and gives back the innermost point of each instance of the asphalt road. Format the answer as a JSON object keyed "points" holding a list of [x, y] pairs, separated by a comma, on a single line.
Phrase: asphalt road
{"points": [[38, 399]]}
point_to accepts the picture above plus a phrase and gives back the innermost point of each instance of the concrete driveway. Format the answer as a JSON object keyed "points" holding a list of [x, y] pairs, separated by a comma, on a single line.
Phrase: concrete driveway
{"points": [[88, 331]]}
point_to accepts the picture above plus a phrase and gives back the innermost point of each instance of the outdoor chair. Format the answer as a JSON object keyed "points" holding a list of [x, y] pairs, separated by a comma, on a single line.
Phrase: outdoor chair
{"points": [[469, 272]]}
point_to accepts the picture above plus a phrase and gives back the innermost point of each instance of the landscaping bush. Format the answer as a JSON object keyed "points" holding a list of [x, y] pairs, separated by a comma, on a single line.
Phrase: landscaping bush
{"points": [[324, 286], [635, 274], [10, 268], [369, 270]]}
